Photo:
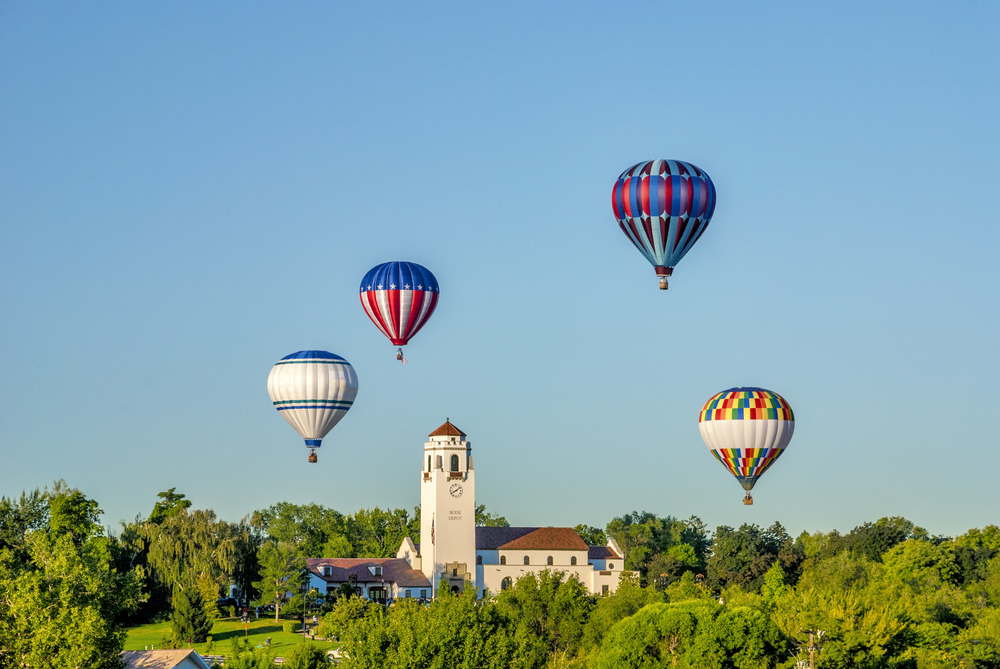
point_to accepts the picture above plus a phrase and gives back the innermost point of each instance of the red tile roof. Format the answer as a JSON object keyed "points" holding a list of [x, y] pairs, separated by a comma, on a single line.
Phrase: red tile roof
{"points": [[601, 553], [394, 570], [529, 539], [492, 538], [447, 430]]}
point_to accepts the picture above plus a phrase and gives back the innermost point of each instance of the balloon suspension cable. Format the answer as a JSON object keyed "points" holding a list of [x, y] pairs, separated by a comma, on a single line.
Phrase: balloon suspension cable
{"points": [[663, 283], [399, 356], [747, 499], [312, 455]]}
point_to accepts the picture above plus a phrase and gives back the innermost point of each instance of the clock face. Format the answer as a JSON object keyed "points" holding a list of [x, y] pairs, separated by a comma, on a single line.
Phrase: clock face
{"points": [[455, 490]]}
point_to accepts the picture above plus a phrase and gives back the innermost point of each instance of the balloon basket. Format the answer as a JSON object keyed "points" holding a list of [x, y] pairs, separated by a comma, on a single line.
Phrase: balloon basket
{"points": [[399, 356], [748, 500], [312, 456], [663, 283]]}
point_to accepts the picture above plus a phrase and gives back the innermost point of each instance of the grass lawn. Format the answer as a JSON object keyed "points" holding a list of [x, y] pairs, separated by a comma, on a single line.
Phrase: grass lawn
{"points": [[150, 635]]}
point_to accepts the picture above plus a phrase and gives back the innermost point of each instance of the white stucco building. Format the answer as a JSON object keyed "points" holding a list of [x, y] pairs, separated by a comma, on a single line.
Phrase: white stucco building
{"points": [[452, 547]]}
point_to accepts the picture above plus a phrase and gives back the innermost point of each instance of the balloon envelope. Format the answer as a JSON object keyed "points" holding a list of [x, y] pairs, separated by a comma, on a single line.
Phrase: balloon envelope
{"points": [[663, 207], [312, 390], [399, 297], [747, 429]]}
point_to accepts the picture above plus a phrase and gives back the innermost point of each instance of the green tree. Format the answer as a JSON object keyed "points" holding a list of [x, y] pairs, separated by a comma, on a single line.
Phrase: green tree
{"points": [[872, 540], [625, 601], [171, 503], [306, 656], [189, 622], [456, 632], [692, 634], [63, 606], [592, 536], [195, 550], [645, 535], [550, 607], [20, 517], [308, 527], [486, 519], [72, 513], [281, 573], [378, 533], [742, 557]]}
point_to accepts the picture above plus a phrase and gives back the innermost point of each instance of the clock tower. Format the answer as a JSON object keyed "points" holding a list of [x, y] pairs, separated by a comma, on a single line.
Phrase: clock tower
{"points": [[448, 509]]}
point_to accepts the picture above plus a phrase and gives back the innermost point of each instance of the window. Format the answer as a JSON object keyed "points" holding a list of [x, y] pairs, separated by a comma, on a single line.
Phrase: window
{"points": [[526, 560], [503, 559], [572, 561], [408, 594], [548, 561], [611, 565], [428, 463], [454, 573], [378, 571], [506, 583], [423, 594], [479, 559], [327, 570], [604, 589], [454, 463], [440, 466]]}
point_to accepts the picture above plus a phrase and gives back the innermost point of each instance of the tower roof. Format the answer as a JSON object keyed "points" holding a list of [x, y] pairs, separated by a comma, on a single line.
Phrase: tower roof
{"points": [[447, 430]]}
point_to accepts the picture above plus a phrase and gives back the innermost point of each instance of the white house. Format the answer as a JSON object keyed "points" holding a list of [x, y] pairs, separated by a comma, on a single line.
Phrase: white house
{"points": [[378, 579], [452, 547]]}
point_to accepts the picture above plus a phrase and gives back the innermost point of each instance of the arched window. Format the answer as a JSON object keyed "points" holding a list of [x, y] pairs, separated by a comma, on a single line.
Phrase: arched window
{"points": [[503, 559], [548, 561], [506, 583], [439, 461], [454, 463], [526, 560], [428, 463], [572, 561], [479, 559]]}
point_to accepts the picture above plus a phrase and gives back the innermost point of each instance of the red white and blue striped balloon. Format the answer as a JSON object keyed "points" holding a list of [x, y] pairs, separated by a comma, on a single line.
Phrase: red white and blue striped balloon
{"points": [[399, 297], [663, 207]]}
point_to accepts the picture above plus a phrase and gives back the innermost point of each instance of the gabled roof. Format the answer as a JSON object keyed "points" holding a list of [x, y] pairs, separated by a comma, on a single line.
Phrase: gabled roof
{"points": [[394, 570], [529, 539], [601, 553], [492, 538], [447, 430], [159, 659]]}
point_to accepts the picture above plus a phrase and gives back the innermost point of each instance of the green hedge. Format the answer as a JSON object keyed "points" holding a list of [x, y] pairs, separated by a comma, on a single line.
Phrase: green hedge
{"points": [[291, 626]]}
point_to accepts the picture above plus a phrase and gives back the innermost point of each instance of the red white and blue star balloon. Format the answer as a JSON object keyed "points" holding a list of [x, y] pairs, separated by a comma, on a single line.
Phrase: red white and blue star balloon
{"points": [[399, 297]]}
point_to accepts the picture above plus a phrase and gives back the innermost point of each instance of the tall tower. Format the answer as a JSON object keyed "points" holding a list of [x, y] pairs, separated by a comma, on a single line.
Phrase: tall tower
{"points": [[448, 509]]}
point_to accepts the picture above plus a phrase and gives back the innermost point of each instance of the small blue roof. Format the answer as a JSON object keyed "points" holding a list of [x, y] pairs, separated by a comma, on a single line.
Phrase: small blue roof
{"points": [[313, 355]]}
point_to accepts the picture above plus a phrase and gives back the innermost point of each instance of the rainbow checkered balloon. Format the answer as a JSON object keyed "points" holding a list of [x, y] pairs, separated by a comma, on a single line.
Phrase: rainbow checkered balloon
{"points": [[747, 429]]}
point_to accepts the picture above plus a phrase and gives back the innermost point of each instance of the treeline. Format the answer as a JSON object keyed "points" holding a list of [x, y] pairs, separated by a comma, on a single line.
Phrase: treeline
{"points": [[886, 594], [70, 587]]}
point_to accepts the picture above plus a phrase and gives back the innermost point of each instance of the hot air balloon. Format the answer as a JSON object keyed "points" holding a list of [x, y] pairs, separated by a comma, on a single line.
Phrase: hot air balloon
{"points": [[313, 390], [663, 206], [399, 297], [747, 429]]}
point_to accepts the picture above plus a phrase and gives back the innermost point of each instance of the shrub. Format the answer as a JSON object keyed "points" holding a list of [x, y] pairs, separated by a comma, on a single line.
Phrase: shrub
{"points": [[232, 611], [291, 626], [305, 656]]}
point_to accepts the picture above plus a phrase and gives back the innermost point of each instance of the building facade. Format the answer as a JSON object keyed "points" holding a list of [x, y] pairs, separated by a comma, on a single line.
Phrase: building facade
{"points": [[454, 551]]}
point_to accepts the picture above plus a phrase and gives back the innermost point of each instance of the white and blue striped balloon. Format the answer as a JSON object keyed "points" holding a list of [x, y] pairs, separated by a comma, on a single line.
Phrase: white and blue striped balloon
{"points": [[312, 390]]}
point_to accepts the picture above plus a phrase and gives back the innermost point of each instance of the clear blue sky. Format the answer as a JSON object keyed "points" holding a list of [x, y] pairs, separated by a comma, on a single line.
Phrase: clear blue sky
{"points": [[190, 191]]}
